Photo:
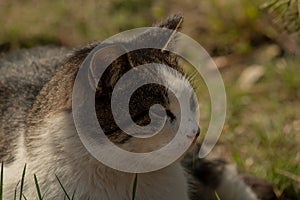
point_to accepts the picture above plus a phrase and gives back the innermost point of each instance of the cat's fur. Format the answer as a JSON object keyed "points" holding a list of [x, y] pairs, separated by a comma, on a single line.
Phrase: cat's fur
{"points": [[37, 128]]}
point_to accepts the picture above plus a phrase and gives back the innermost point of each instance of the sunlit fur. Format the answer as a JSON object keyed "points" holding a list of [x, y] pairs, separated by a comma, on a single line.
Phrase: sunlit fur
{"points": [[39, 131], [78, 170]]}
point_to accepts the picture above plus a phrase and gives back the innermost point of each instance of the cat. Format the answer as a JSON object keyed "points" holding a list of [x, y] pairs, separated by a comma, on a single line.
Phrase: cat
{"points": [[37, 128]]}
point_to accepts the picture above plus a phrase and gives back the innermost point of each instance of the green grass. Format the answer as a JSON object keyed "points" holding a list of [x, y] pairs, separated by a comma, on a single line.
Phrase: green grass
{"points": [[262, 128], [219, 31], [217, 196], [1, 180], [39, 194], [38, 188], [64, 190], [22, 183], [134, 186], [263, 123]]}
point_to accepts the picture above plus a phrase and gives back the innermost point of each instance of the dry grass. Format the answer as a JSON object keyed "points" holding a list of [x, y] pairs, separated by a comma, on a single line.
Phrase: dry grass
{"points": [[262, 130]]}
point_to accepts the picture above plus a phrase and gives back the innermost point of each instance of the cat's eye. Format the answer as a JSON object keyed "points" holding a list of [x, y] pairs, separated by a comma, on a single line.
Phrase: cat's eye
{"points": [[171, 115]]}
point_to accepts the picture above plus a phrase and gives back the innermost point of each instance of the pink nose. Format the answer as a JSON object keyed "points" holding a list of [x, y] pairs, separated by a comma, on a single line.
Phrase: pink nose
{"points": [[195, 133]]}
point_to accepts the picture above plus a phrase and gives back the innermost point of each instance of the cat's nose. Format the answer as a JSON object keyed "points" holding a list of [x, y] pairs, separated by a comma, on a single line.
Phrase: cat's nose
{"points": [[194, 134]]}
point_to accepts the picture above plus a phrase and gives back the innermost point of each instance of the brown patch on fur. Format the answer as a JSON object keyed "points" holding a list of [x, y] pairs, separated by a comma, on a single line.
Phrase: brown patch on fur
{"points": [[57, 94]]}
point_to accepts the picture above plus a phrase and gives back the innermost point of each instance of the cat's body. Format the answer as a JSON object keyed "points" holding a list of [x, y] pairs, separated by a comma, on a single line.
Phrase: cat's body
{"points": [[47, 141], [22, 75], [37, 128], [64, 155]]}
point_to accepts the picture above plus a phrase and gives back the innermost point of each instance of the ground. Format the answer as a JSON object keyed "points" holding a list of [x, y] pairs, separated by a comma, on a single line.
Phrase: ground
{"points": [[259, 66]]}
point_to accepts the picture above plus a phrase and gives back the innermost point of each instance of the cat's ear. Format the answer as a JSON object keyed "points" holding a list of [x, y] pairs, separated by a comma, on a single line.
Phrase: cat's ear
{"points": [[109, 63], [164, 37], [122, 61], [173, 22]]}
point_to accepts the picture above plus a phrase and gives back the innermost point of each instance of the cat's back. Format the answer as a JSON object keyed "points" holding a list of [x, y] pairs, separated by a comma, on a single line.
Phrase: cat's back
{"points": [[23, 73]]}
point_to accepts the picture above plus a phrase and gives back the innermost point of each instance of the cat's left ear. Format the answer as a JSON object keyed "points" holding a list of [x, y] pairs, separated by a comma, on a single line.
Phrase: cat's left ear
{"points": [[109, 63]]}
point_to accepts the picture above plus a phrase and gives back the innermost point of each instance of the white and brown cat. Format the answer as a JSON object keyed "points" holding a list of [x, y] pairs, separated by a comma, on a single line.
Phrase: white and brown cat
{"points": [[37, 128]]}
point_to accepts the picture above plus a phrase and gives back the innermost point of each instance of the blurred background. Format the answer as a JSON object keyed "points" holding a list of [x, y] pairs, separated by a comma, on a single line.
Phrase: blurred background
{"points": [[255, 44]]}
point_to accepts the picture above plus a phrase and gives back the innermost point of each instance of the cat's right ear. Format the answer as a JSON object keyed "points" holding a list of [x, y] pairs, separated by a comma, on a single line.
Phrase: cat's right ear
{"points": [[109, 64]]}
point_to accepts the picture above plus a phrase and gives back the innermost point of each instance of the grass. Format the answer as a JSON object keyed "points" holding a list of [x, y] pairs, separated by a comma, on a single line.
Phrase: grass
{"points": [[134, 186], [1, 180], [217, 196], [63, 24], [262, 130], [39, 194], [262, 127], [38, 190], [22, 183], [64, 190]]}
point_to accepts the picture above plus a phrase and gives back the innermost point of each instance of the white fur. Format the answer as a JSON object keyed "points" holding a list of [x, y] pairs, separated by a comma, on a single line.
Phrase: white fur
{"points": [[232, 187], [62, 153], [58, 151]]}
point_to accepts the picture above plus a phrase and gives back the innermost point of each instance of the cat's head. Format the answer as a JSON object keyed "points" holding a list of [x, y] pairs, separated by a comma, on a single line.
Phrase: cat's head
{"points": [[170, 79]]}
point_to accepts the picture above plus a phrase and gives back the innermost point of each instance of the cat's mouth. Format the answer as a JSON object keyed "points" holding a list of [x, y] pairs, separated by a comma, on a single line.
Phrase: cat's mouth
{"points": [[194, 135]]}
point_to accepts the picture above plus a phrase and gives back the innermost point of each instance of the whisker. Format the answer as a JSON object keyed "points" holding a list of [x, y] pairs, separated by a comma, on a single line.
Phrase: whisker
{"points": [[193, 76]]}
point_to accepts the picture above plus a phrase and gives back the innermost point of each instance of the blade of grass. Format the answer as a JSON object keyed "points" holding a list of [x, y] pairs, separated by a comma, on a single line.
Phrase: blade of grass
{"points": [[22, 182], [37, 187], [73, 195], [134, 187], [61, 185], [15, 194], [45, 193], [288, 175], [24, 197], [1, 180], [217, 196]]}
